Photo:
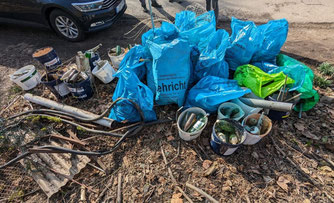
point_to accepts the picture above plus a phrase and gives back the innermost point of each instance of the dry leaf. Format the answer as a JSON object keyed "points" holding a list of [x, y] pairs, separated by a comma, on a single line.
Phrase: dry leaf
{"points": [[160, 191], [206, 164], [308, 134], [299, 126], [212, 169], [170, 138], [325, 169], [282, 182], [306, 201], [177, 198]]}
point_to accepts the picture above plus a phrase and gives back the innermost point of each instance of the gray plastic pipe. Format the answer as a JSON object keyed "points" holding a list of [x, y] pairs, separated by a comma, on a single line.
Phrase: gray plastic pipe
{"points": [[68, 109], [273, 105]]}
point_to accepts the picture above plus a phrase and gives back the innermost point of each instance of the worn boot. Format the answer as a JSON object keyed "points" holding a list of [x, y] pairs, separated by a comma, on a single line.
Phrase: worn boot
{"points": [[156, 5]]}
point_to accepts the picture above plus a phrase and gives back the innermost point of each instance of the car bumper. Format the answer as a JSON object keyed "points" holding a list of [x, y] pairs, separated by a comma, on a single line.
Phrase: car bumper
{"points": [[107, 16]]}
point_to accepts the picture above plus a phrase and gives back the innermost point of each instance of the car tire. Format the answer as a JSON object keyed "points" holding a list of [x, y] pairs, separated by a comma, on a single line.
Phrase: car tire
{"points": [[66, 26]]}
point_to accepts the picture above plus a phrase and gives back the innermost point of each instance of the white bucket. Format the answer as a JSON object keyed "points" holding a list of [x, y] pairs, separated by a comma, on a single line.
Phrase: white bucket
{"points": [[247, 109], [28, 80], [190, 136], [116, 60], [230, 105], [252, 139], [105, 73]]}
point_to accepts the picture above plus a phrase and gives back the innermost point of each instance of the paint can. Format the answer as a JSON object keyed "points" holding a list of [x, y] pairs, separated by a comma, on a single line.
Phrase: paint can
{"points": [[181, 119], [56, 86], [265, 130], [220, 146], [81, 90], [48, 57]]}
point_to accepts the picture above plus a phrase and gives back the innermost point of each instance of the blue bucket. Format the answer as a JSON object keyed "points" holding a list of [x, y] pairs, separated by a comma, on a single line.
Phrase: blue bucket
{"points": [[223, 148], [277, 115], [57, 87], [82, 90], [48, 57]]}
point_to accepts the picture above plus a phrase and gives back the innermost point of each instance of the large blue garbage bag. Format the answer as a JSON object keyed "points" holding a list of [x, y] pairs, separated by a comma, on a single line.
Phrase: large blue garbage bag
{"points": [[245, 40], [132, 61], [274, 35], [296, 72], [211, 61], [129, 86], [211, 91], [170, 72], [265, 66], [196, 30], [166, 33]]}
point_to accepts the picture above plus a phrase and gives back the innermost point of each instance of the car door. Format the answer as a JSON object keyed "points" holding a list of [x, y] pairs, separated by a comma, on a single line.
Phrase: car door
{"points": [[29, 10]]}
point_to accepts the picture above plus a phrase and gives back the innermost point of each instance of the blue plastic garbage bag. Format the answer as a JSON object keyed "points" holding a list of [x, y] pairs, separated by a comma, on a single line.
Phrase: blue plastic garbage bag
{"points": [[196, 30], [296, 72], [166, 33], [129, 86], [274, 35], [170, 72], [211, 61], [245, 40], [265, 66], [131, 61], [211, 91]]}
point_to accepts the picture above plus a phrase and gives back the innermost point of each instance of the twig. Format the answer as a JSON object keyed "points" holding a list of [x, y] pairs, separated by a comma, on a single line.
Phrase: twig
{"points": [[171, 175], [202, 192], [9, 105], [105, 189], [177, 154], [119, 188], [286, 79], [294, 97], [83, 194], [150, 194], [201, 148]]}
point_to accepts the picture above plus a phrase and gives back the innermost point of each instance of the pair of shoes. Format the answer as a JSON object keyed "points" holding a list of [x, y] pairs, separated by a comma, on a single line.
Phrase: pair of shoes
{"points": [[156, 5]]}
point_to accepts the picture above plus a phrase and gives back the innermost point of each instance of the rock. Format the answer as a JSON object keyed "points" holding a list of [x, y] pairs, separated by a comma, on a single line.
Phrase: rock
{"points": [[327, 99]]}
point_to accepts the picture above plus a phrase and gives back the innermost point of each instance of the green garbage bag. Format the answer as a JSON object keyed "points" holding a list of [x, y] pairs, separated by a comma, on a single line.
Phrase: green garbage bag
{"points": [[310, 96], [261, 83]]}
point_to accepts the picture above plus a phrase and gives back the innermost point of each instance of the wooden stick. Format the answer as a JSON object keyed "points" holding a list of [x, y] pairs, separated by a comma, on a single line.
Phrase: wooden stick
{"points": [[202, 192], [105, 189], [294, 97], [286, 79], [119, 188], [78, 142], [177, 154], [171, 175]]}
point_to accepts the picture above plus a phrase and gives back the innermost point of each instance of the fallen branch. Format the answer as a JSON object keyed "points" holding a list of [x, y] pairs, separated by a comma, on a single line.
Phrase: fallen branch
{"points": [[119, 188], [177, 154], [202, 192], [172, 176]]}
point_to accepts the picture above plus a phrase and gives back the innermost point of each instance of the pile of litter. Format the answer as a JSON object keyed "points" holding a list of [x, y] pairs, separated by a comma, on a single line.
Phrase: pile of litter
{"points": [[241, 81]]}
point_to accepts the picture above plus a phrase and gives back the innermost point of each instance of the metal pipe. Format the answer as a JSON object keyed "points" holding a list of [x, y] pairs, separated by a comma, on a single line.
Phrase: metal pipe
{"points": [[273, 105], [68, 109]]}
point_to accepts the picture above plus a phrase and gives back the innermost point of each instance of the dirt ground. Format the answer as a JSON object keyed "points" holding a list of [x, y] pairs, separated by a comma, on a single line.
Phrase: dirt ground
{"points": [[289, 165]]}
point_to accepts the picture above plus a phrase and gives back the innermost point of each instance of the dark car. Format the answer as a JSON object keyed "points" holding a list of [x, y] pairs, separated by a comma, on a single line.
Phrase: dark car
{"points": [[71, 19]]}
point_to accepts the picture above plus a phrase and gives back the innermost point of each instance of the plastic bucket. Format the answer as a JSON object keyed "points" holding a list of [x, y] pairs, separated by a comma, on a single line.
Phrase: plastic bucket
{"points": [[48, 57], [266, 128], [26, 77], [116, 60], [277, 115], [57, 87], [237, 117], [247, 109], [81, 90], [105, 73], [190, 136], [222, 148]]}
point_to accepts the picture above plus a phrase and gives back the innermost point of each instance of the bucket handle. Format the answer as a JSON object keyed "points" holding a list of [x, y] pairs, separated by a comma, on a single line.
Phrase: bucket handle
{"points": [[178, 113]]}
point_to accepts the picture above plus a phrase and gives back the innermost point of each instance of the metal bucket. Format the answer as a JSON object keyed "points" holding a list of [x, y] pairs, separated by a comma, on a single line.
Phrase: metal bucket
{"points": [[222, 148]]}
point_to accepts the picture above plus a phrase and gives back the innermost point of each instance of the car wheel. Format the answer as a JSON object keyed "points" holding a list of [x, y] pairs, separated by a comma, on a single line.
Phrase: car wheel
{"points": [[66, 26]]}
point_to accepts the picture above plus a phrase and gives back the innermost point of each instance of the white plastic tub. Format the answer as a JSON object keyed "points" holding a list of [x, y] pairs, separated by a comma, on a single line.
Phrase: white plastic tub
{"points": [[190, 136], [105, 73], [26, 77], [116, 60]]}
